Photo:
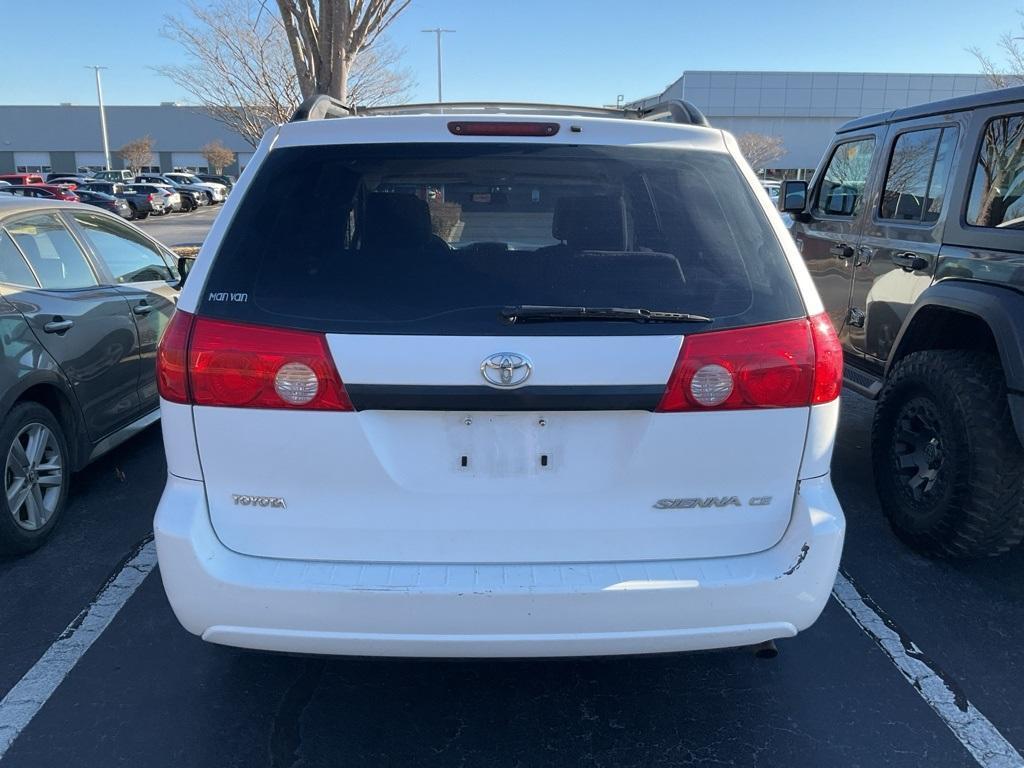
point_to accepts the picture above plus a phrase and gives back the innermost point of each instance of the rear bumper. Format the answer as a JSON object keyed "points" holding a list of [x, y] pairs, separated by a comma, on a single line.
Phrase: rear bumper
{"points": [[579, 609]]}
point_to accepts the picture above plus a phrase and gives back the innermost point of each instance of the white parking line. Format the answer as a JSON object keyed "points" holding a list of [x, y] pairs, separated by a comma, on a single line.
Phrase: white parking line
{"points": [[29, 695], [982, 739]]}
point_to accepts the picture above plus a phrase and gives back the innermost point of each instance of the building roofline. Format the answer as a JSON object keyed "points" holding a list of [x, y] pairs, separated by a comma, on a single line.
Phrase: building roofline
{"points": [[826, 72]]}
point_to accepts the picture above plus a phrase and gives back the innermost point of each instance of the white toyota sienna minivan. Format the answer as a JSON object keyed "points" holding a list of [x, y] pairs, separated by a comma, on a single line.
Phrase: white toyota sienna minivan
{"points": [[483, 380]]}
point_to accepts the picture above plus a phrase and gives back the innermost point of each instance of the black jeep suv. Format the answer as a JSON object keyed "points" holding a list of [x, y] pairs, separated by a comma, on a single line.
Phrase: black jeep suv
{"points": [[913, 229]]}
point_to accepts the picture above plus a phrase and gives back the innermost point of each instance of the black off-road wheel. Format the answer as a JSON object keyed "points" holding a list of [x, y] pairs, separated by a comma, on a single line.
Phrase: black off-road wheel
{"points": [[37, 476], [949, 468]]}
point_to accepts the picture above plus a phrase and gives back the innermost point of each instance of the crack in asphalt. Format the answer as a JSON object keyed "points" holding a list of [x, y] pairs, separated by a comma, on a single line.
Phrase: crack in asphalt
{"points": [[286, 729]]}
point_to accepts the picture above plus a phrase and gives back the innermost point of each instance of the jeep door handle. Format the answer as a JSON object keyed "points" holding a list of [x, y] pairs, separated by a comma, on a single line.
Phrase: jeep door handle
{"points": [[58, 325], [841, 251], [909, 262], [142, 308], [865, 254]]}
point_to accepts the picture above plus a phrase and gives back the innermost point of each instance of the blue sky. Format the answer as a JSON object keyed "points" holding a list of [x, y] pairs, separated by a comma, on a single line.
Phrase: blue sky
{"points": [[573, 51]]}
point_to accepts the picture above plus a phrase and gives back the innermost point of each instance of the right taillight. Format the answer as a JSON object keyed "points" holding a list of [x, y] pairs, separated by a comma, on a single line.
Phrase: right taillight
{"points": [[210, 362], [782, 365], [828, 360]]}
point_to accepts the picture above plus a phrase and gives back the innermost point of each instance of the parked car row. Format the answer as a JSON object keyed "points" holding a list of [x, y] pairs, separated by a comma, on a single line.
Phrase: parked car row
{"points": [[121, 192]]}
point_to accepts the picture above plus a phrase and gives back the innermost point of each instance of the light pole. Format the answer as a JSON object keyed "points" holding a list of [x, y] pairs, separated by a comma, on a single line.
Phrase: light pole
{"points": [[103, 115], [438, 31]]}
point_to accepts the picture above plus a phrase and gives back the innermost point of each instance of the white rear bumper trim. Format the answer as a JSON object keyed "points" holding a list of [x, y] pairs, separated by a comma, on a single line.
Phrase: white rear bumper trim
{"points": [[380, 609]]}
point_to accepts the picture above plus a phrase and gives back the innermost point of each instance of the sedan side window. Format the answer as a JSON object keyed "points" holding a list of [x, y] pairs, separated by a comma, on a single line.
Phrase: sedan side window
{"points": [[997, 192], [842, 189], [129, 256], [52, 251], [13, 268]]}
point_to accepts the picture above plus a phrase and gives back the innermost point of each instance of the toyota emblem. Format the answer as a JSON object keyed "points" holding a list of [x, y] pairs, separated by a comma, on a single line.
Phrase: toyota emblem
{"points": [[506, 370]]}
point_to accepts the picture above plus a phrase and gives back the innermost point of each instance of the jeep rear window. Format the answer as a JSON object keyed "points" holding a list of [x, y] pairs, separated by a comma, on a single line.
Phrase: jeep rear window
{"points": [[437, 238]]}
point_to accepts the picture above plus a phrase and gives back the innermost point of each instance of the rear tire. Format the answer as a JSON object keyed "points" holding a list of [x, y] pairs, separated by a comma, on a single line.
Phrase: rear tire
{"points": [[949, 468], [37, 476]]}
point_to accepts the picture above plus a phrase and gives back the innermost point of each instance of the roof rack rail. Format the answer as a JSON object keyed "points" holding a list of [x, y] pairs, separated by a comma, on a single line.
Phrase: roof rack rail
{"points": [[490, 107], [321, 107], [680, 111], [677, 111]]}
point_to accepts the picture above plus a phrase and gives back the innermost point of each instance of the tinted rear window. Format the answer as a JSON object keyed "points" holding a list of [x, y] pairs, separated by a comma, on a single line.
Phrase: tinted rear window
{"points": [[437, 238]]}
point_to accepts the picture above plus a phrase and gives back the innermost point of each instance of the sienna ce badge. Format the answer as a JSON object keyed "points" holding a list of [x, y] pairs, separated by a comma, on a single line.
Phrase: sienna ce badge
{"points": [[506, 370]]}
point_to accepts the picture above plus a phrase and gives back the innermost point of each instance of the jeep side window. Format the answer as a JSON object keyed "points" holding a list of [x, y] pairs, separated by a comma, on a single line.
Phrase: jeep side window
{"points": [[915, 182], [842, 189], [997, 192]]}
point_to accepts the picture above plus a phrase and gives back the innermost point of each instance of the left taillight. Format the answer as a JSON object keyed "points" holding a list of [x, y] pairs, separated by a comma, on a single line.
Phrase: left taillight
{"points": [[210, 362], [172, 359], [782, 365]]}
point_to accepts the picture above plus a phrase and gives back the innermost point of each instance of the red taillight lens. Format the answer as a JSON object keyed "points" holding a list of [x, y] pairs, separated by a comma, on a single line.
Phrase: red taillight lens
{"points": [[783, 365], [236, 365], [172, 359], [494, 128], [247, 366], [828, 360]]}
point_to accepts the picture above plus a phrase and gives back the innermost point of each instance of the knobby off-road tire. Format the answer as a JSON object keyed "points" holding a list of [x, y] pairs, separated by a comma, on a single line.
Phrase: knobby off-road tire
{"points": [[949, 468]]}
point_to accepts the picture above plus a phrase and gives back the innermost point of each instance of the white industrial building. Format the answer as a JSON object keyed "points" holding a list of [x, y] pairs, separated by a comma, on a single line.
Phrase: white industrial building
{"points": [[65, 138], [805, 108]]}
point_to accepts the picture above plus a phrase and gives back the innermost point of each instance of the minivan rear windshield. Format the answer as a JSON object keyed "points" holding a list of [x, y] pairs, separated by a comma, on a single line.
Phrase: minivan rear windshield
{"points": [[439, 238]]}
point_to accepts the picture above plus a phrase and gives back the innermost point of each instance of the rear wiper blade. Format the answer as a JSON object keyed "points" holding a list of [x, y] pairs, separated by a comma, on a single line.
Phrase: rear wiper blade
{"points": [[533, 313]]}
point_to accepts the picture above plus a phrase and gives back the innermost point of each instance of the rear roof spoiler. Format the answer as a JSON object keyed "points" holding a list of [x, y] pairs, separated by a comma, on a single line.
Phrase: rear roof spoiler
{"points": [[676, 110]]}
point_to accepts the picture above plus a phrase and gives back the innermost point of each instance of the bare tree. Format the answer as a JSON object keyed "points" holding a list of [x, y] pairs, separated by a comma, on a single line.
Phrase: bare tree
{"points": [[1001, 163], [1011, 70], [217, 156], [327, 37], [137, 153], [240, 68], [760, 149]]}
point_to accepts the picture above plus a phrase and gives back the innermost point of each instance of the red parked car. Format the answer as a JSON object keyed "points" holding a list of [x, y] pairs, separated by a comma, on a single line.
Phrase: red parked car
{"points": [[49, 191], [18, 179]]}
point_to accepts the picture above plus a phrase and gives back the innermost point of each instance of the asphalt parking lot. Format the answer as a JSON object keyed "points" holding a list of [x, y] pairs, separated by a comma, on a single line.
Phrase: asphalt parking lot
{"points": [[147, 693], [181, 228]]}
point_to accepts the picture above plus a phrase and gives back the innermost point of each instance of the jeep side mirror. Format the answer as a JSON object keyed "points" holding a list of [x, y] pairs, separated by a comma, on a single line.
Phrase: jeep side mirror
{"points": [[793, 196]]}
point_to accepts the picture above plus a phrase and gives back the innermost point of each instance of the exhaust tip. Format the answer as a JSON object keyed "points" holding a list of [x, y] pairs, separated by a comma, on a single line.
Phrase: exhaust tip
{"points": [[765, 650]]}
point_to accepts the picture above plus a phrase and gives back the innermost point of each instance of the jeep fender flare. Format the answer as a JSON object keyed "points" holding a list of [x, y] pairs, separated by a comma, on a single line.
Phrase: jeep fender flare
{"points": [[1002, 309]]}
